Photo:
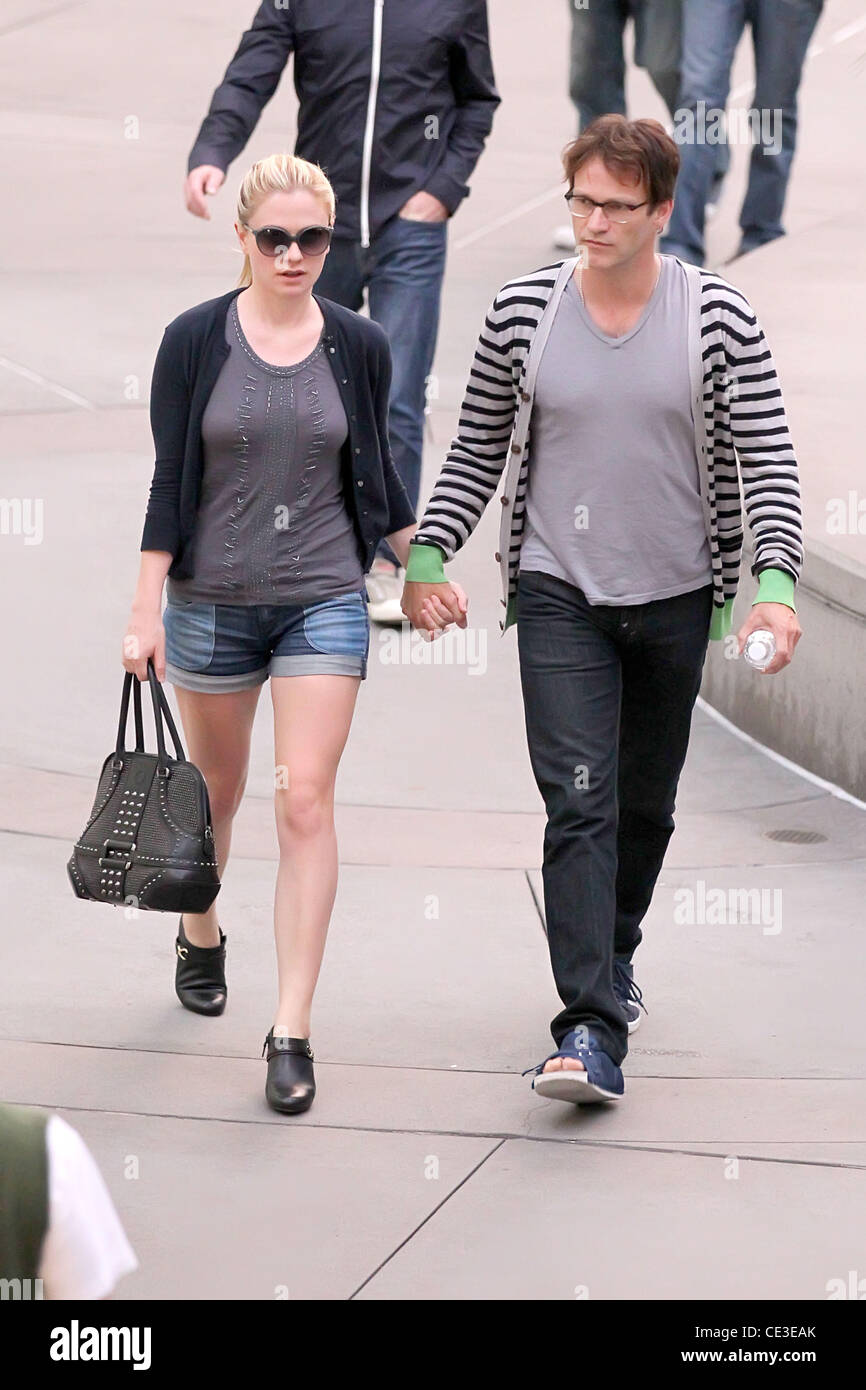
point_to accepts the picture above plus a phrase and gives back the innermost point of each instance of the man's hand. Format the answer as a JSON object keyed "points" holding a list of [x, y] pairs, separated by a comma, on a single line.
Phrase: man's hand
{"points": [[782, 622], [423, 207], [200, 184], [433, 607]]}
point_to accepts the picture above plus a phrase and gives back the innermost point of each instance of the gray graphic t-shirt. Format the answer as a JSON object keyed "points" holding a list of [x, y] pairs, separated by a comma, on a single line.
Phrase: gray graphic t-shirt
{"points": [[614, 503], [272, 524]]}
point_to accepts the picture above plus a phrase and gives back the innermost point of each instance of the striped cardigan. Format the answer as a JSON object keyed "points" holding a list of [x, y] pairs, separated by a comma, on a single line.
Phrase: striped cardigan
{"points": [[739, 417]]}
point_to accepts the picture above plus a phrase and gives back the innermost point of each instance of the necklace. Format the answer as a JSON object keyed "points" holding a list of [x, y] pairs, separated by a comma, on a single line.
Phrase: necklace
{"points": [[580, 270]]}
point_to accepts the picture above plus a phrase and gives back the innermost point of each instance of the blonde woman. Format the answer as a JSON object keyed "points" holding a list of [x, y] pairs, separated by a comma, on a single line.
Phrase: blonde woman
{"points": [[273, 487]]}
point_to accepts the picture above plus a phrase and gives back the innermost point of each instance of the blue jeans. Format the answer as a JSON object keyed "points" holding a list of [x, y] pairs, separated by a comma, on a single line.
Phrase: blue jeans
{"points": [[597, 69], [402, 270], [234, 646], [781, 32]]}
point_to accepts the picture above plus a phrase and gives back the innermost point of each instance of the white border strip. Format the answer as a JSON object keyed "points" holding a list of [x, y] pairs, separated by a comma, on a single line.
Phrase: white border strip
{"points": [[39, 380], [777, 757]]}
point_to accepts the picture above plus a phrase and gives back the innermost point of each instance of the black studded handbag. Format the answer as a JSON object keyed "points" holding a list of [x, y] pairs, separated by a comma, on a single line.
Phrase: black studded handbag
{"points": [[149, 840]]}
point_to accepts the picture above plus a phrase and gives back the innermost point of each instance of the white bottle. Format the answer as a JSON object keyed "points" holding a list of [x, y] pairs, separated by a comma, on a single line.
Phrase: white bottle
{"points": [[760, 648]]}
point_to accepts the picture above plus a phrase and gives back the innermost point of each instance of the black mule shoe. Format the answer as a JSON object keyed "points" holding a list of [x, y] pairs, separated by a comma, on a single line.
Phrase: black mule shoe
{"points": [[291, 1085], [200, 977]]}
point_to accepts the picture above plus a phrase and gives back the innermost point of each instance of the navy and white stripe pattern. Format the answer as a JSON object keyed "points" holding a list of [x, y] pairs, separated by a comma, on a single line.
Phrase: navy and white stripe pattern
{"points": [[744, 415]]}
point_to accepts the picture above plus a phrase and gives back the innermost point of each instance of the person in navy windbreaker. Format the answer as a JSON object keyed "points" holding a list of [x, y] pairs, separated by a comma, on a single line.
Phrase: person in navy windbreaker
{"points": [[396, 100]]}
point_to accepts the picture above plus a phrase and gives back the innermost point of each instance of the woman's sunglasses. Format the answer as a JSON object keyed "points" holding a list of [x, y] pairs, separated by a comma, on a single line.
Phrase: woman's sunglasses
{"points": [[271, 241]]}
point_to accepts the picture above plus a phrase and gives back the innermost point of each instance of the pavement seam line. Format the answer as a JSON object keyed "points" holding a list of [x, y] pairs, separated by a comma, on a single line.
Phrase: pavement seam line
{"points": [[31, 19], [399, 1066], [427, 1218], [676, 1147]]}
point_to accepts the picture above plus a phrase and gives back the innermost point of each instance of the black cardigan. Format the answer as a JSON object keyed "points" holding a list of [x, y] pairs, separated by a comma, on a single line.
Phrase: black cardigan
{"points": [[187, 365]]}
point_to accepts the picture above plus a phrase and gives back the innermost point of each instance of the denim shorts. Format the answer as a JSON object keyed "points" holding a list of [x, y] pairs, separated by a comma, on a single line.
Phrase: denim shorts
{"points": [[228, 647]]}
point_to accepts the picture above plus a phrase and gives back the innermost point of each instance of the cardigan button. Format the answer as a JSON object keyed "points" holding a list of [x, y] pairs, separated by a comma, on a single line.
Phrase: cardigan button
{"points": [[515, 448], [497, 557], [360, 482], [332, 349], [345, 380], [504, 501], [524, 395]]}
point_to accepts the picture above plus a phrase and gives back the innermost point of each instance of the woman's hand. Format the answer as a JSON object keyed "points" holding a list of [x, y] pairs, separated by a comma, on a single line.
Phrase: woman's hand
{"points": [[145, 636], [433, 607]]}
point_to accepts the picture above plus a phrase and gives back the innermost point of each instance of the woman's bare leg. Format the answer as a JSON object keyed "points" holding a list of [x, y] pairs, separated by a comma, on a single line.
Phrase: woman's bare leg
{"points": [[312, 717], [217, 729]]}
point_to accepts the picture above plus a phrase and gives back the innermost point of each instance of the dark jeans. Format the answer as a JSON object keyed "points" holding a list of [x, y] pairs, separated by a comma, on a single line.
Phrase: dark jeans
{"points": [[608, 694], [402, 270], [781, 31]]}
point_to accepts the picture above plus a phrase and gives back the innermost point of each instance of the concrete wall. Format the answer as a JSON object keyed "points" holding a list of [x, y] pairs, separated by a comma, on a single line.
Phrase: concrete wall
{"points": [[815, 710]]}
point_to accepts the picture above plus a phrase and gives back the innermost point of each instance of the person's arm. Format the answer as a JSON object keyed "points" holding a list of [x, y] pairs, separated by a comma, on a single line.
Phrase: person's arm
{"points": [[401, 514], [472, 469], [169, 413], [145, 631], [471, 72], [771, 488], [85, 1250], [160, 541], [250, 81]]}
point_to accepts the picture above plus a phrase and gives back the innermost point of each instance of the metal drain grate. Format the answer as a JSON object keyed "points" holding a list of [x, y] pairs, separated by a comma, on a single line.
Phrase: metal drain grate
{"points": [[796, 837]]}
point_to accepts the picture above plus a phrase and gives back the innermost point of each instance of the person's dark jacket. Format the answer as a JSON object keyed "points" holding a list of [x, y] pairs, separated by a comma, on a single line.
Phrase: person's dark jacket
{"points": [[434, 101], [187, 365]]}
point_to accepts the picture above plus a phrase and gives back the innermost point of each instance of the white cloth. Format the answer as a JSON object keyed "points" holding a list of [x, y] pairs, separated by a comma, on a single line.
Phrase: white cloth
{"points": [[85, 1250]]}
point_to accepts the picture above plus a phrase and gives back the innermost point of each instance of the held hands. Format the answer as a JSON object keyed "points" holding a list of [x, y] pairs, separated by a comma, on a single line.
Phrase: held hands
{"points": [[432, 608], [145, 636], [782, 622]]}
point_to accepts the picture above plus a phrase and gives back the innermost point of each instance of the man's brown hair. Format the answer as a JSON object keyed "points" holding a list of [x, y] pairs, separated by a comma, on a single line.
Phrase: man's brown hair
{"points": [[635, 150]]}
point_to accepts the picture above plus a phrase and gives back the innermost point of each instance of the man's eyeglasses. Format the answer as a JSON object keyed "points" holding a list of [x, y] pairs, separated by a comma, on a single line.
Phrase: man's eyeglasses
{"points": [[272, 241], [581, 206]]}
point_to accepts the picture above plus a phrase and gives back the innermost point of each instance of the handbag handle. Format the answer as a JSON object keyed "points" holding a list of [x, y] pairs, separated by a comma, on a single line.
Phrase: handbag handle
{"points": [[160, 709]]}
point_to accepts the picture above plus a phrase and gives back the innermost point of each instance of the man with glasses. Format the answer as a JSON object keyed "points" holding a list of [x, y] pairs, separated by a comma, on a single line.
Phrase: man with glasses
{"points": [[596, 79], [623, 395], [396, 103]]}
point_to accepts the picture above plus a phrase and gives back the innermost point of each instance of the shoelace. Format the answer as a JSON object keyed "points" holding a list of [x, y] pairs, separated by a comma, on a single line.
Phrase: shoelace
{"points": [[625, 985]]}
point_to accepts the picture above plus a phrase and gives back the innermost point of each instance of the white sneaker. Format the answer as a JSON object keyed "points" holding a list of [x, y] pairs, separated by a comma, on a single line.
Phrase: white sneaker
{"points": [[564, 239], [384, 592]]}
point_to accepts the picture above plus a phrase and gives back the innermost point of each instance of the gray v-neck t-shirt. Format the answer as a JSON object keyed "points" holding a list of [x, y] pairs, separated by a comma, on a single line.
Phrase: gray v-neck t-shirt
{"points": [[613, 504], [272, 524]]}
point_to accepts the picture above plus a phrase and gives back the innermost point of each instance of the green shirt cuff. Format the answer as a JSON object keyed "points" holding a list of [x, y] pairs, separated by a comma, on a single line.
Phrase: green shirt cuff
{"points": [[722, 621], [775, 586], [426, 564]]}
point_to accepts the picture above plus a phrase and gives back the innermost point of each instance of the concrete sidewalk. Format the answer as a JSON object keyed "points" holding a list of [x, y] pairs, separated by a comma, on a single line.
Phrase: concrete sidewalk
{"points": [[734, 1167]]}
